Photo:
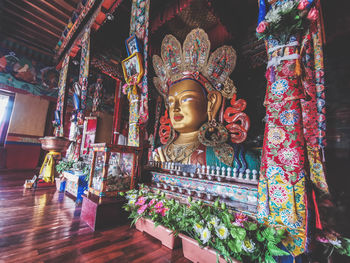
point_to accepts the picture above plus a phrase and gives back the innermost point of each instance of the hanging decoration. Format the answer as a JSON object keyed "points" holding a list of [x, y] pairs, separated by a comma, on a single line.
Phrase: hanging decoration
{"points": [[133, 73], [83, 83], [84, 73], [139, 24], [294, 133], [97, 94], [61, 94]]}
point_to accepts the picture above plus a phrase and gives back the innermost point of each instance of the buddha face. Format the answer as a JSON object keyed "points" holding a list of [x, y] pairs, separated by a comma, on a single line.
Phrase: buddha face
{"points": [[187, 106]]}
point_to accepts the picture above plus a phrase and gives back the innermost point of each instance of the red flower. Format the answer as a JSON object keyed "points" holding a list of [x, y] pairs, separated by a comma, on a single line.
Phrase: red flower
{"points": [[313, 14], [164, 211], [262, 27], [303, 4]]}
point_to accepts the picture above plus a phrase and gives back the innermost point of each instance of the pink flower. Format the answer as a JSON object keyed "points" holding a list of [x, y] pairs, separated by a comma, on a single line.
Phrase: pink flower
{"points": [[151, 202], [141, 201], [303, 4], [262, 27], [240, 219], [322, 239], [142, 209], [313, 14], [164, 211], [159, 205]]}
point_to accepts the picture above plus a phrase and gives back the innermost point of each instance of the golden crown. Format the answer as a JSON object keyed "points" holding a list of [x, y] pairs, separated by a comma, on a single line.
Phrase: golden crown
{"points": [[192, 62]]}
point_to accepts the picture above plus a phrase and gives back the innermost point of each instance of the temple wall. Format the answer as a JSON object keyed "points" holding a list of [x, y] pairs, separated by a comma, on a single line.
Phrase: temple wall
{"points": [[26, 126]]}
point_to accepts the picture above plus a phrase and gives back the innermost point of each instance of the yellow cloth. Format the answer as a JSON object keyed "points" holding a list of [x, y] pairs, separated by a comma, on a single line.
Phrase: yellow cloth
{"points": [[48, 167]]}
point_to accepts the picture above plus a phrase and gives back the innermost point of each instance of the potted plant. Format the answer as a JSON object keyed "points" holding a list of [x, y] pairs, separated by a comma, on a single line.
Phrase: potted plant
{"points": [[210, 231], [153, 214], [60, 167]]}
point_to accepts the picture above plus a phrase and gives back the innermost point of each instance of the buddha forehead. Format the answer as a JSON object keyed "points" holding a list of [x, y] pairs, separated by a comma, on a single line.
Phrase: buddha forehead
{"points": [[186, 85]]}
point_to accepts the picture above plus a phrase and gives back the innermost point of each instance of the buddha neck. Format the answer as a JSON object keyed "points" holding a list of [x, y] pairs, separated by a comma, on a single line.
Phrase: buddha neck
{"points": [[187, 138]]}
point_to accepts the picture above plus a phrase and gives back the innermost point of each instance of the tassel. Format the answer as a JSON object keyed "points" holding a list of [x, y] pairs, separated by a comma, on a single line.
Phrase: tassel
{"points": [[317, 213], [297, 68]]}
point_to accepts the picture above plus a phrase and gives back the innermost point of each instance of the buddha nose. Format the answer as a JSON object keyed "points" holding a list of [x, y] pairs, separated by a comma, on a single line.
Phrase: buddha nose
{"points": [[176, 106]]}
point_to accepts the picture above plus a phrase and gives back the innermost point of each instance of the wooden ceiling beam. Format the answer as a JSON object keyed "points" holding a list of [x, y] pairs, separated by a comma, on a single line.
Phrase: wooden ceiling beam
{"points": [[33, 23], [24, 42], [28, 27], [66, 5], [29, 38], [30, 35], [35, 16], [57, 10], [30, 3]]}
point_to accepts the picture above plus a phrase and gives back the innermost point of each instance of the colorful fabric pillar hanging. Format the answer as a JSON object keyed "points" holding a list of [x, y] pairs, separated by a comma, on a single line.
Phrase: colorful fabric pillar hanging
{"points": [[139, 23], [282, 186], [294, 135], [83, 82], [61, 95], [84, 72], [97, 94]]}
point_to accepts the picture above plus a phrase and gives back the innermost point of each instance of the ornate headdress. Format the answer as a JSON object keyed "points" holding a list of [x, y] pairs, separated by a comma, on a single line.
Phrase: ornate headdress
{"points": [[192, 62]]}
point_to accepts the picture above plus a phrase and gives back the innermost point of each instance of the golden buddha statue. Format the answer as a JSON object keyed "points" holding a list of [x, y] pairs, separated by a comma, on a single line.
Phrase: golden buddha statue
{"points": [[193, 88]]}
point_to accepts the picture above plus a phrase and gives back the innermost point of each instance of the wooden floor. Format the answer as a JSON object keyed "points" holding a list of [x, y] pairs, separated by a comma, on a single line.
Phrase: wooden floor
{"points": [[45, 226]]}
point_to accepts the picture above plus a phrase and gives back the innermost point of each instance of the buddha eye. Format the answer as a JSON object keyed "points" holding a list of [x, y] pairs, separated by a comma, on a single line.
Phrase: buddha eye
{"points": [[186, 99], [170, 102]]}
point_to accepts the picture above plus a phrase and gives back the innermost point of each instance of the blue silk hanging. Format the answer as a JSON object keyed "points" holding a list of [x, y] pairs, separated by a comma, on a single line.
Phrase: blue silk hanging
{"points": [[262, 11]]}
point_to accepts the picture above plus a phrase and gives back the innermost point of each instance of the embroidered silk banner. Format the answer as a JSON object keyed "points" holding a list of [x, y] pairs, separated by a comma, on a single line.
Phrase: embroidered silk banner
{"points": [[83, 82], [84, 67], [139, 23], [61, 92], [97, 94], [294, 134]]}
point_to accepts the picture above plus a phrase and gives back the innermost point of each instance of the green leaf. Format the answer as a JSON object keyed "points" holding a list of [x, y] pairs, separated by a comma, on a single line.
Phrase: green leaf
{"points": [[251, 226], [269, 259], [231, 245], [238, 233], [276, 251], [260, 237]]}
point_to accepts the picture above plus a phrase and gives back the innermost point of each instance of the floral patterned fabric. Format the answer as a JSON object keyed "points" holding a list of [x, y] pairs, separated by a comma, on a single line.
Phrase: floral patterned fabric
{"points": [[282, 190], [294, 137]]}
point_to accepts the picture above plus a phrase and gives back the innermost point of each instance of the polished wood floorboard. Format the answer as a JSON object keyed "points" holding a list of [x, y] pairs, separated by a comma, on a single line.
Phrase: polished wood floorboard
{"points": [[45, 226]]}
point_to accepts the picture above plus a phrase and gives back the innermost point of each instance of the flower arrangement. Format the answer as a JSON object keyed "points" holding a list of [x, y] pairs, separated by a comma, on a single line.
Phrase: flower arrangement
{"points": [[287, 18], [332, 241], [232, 236]]}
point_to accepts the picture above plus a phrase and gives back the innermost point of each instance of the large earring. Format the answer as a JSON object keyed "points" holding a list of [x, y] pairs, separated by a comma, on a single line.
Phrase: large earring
{"points": [[212, 133]]}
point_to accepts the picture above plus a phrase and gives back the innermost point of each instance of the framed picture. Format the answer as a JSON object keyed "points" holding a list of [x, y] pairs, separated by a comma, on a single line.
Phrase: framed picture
{"points": [[132, 45], [132, 68]]}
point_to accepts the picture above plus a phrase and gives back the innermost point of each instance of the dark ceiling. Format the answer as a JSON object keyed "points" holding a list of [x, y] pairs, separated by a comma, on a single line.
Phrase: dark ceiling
{"points": [[35, 23]]}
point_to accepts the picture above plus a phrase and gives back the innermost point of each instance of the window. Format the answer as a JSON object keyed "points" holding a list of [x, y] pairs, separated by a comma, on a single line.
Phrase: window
{"points": [[6, 104]]}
